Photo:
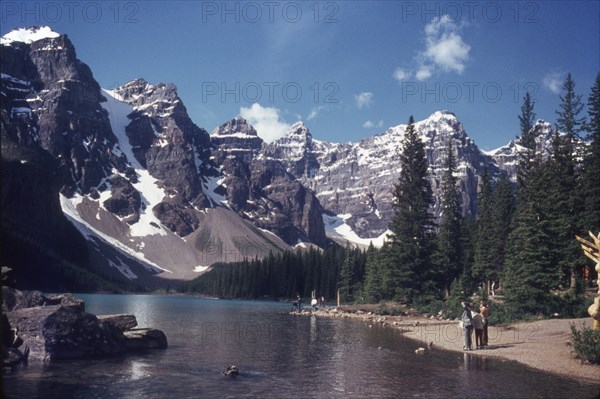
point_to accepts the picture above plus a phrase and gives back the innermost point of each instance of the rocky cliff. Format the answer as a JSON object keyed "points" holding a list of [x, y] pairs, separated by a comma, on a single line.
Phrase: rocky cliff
{"points": [[355, 180]]}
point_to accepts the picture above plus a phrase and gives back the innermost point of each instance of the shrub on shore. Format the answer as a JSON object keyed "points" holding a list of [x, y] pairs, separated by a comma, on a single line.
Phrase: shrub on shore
{"points": [[586, 343]]}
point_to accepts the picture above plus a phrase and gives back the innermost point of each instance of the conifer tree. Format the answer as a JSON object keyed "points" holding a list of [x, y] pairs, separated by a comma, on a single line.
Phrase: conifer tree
{"points": [[483, 258], [448, 253], [373, 275], [567, 203], [412, 224], [591, 170], [527, 139], [502, 215]]}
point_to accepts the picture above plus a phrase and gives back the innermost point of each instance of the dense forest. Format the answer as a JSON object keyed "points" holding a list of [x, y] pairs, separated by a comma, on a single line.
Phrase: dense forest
{"points": [[522, 243]]}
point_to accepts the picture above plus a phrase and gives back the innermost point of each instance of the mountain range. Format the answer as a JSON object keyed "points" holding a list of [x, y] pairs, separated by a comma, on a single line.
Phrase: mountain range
{"points": [[127, 182]]}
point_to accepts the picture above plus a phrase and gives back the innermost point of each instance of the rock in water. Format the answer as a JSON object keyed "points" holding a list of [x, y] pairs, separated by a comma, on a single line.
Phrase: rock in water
{"points": [[145, 338], [121, 321], [58, 332]]}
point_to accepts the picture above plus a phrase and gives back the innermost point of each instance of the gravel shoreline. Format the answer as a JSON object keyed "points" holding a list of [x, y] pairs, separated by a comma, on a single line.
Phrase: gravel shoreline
{"points": [[538, 344]]}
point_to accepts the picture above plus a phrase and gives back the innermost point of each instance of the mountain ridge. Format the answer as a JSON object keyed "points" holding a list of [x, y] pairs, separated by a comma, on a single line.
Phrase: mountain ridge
{"points": [[138, 174]]}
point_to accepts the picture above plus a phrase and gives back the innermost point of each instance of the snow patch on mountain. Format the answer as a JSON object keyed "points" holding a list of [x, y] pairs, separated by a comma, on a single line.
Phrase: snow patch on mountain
{"points": [[69, 208], [150, 192], [338, 226], [28, 35]]}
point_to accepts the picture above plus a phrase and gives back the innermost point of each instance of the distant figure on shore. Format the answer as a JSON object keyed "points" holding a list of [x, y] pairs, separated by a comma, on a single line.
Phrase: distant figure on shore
{"points": [[467, 322], [322, 301], [313, 304], [478, 326], [299, 300], [485, 313]]}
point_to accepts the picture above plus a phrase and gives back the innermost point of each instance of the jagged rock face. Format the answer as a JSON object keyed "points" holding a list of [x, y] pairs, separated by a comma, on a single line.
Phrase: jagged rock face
{"points": [[357, 179], [124, 200], [261, 190], [507, 157], [166, 142], [54, 100], [297, 150]]}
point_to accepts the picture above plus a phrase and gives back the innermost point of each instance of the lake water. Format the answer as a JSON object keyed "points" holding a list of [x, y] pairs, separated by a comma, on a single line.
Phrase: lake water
{"points": [[278, 356]]}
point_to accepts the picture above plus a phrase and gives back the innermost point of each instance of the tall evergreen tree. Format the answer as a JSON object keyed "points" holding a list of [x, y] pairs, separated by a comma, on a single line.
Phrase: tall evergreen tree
{"points": [[567, 202], [483, 259], [527, 139], [528, 276], [591, 170], [569, 121], [373, 276], [412, 224], [448, 252], [502, 216]]}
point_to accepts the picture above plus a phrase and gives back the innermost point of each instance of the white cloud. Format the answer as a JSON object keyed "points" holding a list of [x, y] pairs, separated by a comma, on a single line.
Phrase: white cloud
{"points": [[553, 81], [401, 74], [266, 120], [445, 50], [363, 99], [314, 113], [369, 124], [423, 73]]}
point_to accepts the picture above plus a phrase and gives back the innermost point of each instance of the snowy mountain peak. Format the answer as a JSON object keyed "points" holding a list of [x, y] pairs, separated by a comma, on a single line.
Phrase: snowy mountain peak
{"points": [[299, 128], [237, 126], [28, 35]]}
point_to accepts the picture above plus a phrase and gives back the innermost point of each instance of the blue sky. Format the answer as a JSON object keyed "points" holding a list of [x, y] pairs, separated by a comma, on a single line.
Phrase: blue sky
{"points": [[348, 69]]}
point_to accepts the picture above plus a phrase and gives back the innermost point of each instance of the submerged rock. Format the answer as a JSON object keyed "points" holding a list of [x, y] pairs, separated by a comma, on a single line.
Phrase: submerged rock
{"points": [[145, 338]]}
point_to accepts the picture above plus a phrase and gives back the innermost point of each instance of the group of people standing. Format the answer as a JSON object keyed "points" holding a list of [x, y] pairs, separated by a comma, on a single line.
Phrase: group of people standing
{"points": [[478, 321], [297, 304]]}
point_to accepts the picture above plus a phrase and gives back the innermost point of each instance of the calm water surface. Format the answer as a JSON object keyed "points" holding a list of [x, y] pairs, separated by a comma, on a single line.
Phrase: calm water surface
{"points": [[278, 356]]}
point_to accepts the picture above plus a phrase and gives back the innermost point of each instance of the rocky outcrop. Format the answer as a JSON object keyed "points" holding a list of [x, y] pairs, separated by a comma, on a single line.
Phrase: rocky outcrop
{"points": [[54, 100], [261, 190], [167, 143], [56, 327], [356, 179]]}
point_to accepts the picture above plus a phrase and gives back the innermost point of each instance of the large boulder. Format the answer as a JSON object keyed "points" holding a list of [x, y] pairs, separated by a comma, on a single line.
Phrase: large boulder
{"points": [[53, 327], [62, 332]]}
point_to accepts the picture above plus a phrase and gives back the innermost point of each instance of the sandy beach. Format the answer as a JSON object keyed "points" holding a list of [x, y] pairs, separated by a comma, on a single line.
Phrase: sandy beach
{"points": [[538, 344]]}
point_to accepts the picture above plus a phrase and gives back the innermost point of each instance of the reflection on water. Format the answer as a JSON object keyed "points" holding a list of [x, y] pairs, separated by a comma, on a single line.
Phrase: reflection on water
{"points": [[278, 356]]}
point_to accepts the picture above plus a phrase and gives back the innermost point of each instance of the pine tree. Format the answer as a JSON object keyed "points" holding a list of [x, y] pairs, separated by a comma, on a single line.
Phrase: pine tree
{"points": [[567, 203], [410, 242], [502, 215], [527, 139], [529, 274], [568, 120], [448, 253], [346, 276], [373, 278], [591, 170], [482, 266]]}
